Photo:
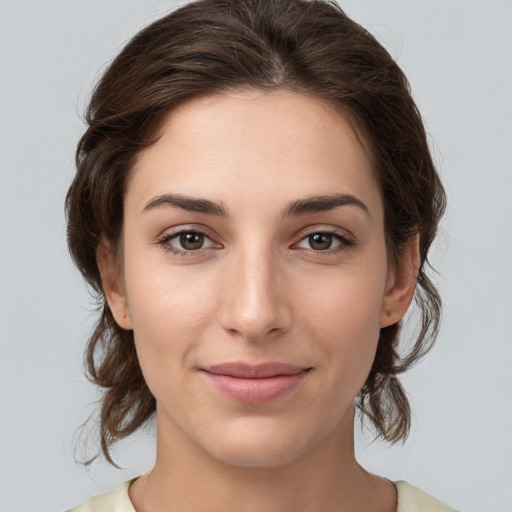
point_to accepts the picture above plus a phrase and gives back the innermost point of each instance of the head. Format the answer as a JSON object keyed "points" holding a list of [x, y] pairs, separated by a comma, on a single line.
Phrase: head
{"points": [[213, 57]]}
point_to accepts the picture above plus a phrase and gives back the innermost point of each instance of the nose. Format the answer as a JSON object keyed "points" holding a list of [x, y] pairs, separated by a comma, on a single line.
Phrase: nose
{"points": [[254, 304]]}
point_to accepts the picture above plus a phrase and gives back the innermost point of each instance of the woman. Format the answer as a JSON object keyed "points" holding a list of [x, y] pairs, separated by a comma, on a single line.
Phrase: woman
{"points": [[254, 204]]}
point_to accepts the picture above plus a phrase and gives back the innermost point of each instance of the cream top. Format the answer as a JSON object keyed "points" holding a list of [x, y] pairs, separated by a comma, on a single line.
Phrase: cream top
{"points": [[410, 499]]}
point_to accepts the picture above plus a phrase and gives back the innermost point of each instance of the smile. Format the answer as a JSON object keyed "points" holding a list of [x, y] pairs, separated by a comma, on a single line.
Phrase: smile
{"points": [[255, 385]]}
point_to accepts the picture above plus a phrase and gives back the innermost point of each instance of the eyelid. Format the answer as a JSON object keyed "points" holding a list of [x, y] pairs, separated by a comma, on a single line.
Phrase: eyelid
{"points": [[345, 238], [331, 230], [177, 236], [164, 239], [173, 231]]}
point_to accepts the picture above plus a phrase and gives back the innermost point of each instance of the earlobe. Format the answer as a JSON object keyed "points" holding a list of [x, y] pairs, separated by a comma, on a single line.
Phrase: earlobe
{"points": [[113, 284], [401, 284]]}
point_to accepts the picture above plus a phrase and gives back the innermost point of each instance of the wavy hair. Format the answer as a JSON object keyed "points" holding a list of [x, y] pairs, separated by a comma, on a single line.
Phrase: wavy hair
{"points": [[308, 46]]}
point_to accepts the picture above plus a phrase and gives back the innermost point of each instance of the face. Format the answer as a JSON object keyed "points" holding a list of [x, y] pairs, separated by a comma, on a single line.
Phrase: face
{"points": [[255, 275]]}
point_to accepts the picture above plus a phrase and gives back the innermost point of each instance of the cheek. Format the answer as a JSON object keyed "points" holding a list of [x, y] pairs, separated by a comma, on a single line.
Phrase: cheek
{"points": [[343, 316], [346, 302], [169, 312], [163, 297]]}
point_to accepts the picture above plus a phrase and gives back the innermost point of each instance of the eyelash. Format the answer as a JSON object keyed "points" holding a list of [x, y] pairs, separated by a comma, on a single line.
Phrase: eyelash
{"points": [[345, 242], [165, 239]]}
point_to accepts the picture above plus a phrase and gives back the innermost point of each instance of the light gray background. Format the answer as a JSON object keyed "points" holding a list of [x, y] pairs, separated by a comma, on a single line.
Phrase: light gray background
{"points": [[458, 56]]}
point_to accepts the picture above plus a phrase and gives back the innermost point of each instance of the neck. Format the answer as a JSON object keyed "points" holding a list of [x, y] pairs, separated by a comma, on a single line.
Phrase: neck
{"points": [[326, 478]]}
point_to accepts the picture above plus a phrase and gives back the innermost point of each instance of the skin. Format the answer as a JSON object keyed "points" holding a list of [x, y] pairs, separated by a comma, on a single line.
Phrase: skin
{"points": [[259, 289]]}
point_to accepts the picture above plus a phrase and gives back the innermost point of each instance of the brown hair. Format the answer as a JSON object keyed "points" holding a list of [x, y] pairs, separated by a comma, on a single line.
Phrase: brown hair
{"points": [[306, 46]]}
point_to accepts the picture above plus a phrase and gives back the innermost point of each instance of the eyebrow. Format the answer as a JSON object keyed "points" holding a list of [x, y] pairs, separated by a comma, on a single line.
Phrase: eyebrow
{"points": [[313, 204], [190, 204]]}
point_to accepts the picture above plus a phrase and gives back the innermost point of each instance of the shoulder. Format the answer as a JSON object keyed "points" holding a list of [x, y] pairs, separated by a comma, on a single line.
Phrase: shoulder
{"points": [[118, 500], [411, 499]]}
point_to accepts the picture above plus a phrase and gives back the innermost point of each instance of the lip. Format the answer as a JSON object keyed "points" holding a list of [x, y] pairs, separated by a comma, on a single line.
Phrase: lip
{"points": [[255, 384]]}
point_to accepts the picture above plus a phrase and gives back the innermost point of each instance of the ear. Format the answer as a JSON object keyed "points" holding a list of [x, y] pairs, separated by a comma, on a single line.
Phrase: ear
{"points": [[113, 283], [401, 284]]}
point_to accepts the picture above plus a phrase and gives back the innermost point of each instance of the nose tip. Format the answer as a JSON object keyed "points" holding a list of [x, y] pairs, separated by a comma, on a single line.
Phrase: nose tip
{"points": [[254, 321], [255, 305]]}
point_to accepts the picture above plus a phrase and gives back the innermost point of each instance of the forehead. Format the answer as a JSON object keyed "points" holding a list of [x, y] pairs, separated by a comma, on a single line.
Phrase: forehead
{"points": [[246, 145]]}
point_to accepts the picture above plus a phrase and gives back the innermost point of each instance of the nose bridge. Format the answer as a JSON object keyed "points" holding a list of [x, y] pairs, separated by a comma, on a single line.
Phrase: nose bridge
{"points": [[253, 305]]}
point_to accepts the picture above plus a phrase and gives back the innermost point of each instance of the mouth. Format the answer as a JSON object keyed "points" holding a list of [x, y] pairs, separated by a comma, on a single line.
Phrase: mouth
{"points": [[255, 384]]}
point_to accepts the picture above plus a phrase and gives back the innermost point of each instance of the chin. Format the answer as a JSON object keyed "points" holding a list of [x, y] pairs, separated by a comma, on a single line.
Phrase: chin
{"points": [[259, 445]]}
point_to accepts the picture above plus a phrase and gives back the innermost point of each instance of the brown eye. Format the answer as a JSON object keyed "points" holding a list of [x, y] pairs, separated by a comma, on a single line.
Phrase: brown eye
{"points": [[320, 241], [325, 241], [191, 241], [187, 243]]}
